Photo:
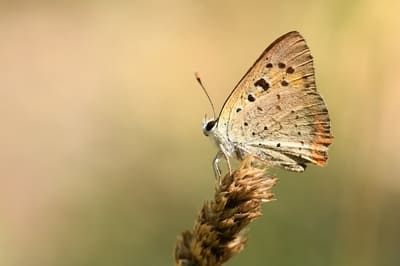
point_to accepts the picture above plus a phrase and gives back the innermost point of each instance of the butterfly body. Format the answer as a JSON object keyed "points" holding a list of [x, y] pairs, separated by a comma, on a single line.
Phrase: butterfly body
{"points": [[275, 112]]}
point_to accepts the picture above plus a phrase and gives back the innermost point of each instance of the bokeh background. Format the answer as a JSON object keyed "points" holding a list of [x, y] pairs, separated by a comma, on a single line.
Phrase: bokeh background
{"points": [[102, 158]]}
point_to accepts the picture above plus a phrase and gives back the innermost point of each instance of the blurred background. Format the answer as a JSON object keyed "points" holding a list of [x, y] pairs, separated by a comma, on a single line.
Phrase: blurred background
{"points": [[102, 157]]}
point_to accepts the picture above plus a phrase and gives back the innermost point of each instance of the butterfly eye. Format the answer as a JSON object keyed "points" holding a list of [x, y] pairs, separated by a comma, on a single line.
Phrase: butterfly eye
{"points": [[210, 125]]}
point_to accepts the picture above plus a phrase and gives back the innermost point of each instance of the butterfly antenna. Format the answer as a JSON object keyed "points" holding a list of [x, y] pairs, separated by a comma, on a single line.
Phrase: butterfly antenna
{"points": [[205, 91]]}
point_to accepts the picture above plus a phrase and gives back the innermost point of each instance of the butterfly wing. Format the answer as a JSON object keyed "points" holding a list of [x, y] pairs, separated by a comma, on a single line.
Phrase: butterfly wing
{"points": [[275, 112]]}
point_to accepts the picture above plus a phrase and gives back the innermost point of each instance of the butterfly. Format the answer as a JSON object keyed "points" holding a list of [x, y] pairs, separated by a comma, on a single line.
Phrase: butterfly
{"points": [[275, 113]]}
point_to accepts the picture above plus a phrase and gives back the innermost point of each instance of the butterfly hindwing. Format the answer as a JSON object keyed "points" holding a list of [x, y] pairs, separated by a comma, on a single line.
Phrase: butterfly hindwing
{"points": [[287, 129]]}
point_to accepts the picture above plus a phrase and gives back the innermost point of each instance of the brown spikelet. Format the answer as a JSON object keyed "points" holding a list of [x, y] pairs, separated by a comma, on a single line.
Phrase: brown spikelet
{"points": [[218, 231]]}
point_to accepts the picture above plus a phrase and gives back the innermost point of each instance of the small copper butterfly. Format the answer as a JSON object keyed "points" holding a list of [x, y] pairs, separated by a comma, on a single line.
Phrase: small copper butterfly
{"points": [[275, 112]]}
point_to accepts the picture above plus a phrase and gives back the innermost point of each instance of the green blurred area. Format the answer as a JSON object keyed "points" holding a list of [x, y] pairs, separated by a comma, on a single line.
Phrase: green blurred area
{"points": [[103, 161]]}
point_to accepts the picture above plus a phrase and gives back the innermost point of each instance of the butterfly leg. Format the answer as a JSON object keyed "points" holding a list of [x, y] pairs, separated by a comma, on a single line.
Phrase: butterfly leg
{"points": [[217, 160], [217, 170], [228, 163]]}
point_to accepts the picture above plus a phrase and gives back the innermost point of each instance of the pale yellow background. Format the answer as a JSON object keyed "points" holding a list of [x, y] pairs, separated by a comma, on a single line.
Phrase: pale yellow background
{"points": [[102, 159]]}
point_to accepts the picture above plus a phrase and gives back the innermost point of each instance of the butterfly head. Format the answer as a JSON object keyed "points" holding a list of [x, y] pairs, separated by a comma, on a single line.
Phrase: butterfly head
{"points": [[209, 126]]}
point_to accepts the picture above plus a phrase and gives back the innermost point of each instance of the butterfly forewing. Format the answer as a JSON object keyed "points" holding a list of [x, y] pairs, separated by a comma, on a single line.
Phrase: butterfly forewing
{"points": [[275, 111]]}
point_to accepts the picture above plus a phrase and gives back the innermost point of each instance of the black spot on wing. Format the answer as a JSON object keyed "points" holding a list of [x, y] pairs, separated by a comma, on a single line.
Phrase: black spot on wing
{"points": [[262, 83], [290, 70], [251, 98]]}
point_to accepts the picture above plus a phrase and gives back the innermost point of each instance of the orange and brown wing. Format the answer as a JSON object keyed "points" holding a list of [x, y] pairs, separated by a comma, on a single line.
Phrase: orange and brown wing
{"points": [[275, 111]]}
